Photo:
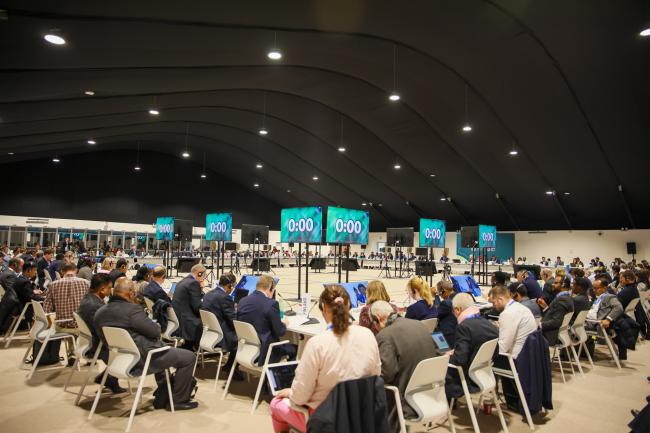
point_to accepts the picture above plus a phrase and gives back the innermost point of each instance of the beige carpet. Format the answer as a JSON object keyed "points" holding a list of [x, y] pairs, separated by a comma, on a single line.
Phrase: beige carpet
{"points": [[598, 402]]}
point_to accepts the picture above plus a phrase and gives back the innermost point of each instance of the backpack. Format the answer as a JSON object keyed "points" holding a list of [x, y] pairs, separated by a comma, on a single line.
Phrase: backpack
{"points": [[50, 354]]}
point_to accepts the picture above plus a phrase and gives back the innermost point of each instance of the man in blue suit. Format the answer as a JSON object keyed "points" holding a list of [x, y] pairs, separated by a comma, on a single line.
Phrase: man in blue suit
{"points": [[263, 312], [154, 290], [446, 319], [532, 286], [629, 290]]}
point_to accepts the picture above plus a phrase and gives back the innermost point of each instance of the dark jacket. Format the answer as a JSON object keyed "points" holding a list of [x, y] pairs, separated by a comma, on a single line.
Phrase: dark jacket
{"points": [[8, 278], [186, 302], [420, 310], [264, 314], [219, 303], [399, 357], [88, 306], [447, 321], [534, 369], [470, 335], [41, 268], [532, 286], [160, 315], [626, 295], [353, 406], [115, 274], [154, 292], [24, 288], [627, 332], [580, 303], [547, 292], [119, 313], [553, 316]]}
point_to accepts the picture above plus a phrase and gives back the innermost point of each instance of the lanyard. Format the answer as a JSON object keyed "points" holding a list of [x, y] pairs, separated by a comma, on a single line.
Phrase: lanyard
{"points": [[512, 301], [329, 327], [473, 316]]}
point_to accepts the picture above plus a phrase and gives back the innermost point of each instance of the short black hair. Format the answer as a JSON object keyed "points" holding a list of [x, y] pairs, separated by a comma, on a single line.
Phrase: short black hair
{"points": [[66, 267], [99, 280], [582, 283], [121, 262], [28, 266], [226, 279], [14, 262], [500, 277], [59, 256]]}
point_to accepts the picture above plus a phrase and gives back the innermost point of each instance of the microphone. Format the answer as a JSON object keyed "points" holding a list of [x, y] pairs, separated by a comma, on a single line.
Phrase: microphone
{"points": [[311, 320], [286, 313]]}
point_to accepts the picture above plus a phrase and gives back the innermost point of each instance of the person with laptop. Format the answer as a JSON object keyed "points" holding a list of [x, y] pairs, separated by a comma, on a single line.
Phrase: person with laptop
{"points": [[187, 302], [154, 289], [423, 307], [343, 352], [446, 319], [399, 356]]}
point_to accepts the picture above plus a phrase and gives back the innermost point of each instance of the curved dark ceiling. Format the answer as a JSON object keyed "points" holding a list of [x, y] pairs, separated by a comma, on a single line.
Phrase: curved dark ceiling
{"points": [[564, 85]]}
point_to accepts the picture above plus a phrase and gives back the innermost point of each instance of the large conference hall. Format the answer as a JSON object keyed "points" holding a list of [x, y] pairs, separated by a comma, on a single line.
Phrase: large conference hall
{"points": [[325, 216]]}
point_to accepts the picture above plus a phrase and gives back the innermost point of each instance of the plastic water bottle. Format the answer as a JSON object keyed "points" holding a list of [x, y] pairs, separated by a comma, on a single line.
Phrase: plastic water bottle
{"points": [[281, 310], [305, 302]]}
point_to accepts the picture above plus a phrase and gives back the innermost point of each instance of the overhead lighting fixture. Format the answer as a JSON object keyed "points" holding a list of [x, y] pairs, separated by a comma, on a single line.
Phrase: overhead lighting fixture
{"points": [[54, 38], [91, 141], [137, 159], [645, 32], [203, 175], [10, 153], [186, 152], [136, 168], [394, 96], [443, 198], [154, 112], [315, 178], [549, 192], [258, 166], [567, 193], [432, 175], [256, 185], [89, 93], [364, 204], [274, 53], [55, 159], [467, 128], [341, 149], [289, 191], [513, 152], [397, 166], [263, 130]]}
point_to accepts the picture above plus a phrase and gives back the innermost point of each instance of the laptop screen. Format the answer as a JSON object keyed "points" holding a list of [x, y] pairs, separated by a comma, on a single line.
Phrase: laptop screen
{"points": [[281, 376], [172, 289], [440, 341], [356, 291]]}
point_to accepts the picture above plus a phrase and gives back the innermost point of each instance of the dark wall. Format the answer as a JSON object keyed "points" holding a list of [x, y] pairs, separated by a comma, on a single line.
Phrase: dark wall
{"points": [[103, 186]]}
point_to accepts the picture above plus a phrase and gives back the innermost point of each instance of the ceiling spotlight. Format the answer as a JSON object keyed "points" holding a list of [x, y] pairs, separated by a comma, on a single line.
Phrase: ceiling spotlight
{"points": [[54, 39], [203, 176], [397, 166], [263, 131], [258, 165], [137, 168], [567, 193], [443, 198], [645, 32], [89, 93], [289, 190], [10, 153], [432, 175], [91, 141], [341, 149], [256, 185], [55, 159], [513, 152], [549, 192], [154, 112], [394, 97], [274, 54], [364, 204], [467, 127], [186, 154], [315, 178]]}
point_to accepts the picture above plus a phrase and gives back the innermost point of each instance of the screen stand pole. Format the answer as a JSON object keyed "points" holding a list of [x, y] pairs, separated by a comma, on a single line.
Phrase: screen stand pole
{"points": [[299, 267], [222, 253], [430, 259], [340, 252], [347, 264], [306, 268]]}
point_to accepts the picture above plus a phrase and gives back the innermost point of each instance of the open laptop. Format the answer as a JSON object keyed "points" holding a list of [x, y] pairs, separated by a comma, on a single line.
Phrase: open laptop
{"points": [[172, 290], [247, 285], [280, 376], [441, 342]]}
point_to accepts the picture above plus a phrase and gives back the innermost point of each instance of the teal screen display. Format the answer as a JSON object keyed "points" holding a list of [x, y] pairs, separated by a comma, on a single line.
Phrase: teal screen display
{"points": [[165, 228], [301, 224], [218, 227], [347, 226], [487, 236], [432, 233]]}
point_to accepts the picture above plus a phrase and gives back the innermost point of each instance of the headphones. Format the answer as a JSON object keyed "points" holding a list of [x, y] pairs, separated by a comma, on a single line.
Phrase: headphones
{"points": [[200, 274]]}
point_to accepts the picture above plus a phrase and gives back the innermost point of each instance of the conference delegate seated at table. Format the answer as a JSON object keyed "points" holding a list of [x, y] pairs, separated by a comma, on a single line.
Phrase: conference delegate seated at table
{"points": [[376, 291], [532, 286], [519, 293], [553, 314], [343, 352], [186, 303], [154, 289], [446, 319], [424, 306]]}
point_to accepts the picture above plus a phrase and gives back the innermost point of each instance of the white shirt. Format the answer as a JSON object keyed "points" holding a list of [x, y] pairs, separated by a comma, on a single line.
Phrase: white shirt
{"points": [[516, 323]]}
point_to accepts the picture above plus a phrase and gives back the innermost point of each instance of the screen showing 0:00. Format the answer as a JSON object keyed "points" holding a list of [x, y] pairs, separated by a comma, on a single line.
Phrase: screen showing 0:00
{"points": [[432, 233], [301, 224], [487, 236], [165, 228], [347, 226], [218, 227]]}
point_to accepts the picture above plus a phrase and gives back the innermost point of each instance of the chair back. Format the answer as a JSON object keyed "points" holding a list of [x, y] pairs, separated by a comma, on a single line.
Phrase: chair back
{"points": [[149, 303], [563, 333], [431, 324], [124, 354], [2, 291], [480, 370], [85, 338], [248, 347], [212, 332], [425, 391], [172, 323], [579, 327], [41, 326], [629, 310]]}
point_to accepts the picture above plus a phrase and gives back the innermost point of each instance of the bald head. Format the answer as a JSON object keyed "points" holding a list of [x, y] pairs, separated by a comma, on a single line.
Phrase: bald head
{"points": [[124, 288]]}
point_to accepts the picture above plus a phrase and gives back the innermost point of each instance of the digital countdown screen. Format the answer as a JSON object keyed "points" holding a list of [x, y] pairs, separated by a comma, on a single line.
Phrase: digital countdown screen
{"points": [[347, 226], [432, 233], [218, 227], [301, 224], [165, 228], [487, 236]]}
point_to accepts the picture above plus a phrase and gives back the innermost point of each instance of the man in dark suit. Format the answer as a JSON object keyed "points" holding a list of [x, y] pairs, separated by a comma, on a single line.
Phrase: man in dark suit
{"points": [[220, 303], [532, 286], [446, 318], [154, 290], [472, 331], [100, 288], [120, 270], [263, 312], [65, 245], [547, 291], [399, 355], [9, 304], [8, 277], [553, 314], [581, 302], [186, 303], [26, 290], [629, 290], [122, 312], [42, 266]]}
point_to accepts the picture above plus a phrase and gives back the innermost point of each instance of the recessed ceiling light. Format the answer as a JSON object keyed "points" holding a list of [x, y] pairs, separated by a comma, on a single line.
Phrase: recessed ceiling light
{"points": [[203, 176], [467, 127], [549, 192], [645, 32], [256, 185], [274, 54], [10, 153], [394, 97], [55, 159], [263, 131], [341, 149], [513, 152], [89, 93], [567, 193], [397, 166], [258, 165], [154, 111], [289, 190], [54, 39], [432, 175], [137, 168], [364, 204], [186, 154], [443, 198], [315, 178], [379, 204], [91, 141]]}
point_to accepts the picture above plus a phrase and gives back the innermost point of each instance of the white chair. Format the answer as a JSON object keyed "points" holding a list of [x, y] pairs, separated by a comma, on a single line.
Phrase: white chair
{"points": [[149, 303], [580, 336], [564, 342], [172, 325], [212, 335], [514, 374], [248, 350], [44, 332], [602, 332], [645, 302], [480, 371], [629, 310], [425, 394], [15, 323], [82, 351], [124, 355], [431, 324]]}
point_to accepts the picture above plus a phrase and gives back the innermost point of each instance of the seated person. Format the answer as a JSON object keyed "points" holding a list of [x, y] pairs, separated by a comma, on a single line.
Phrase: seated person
{"points": [[376, 291], [516, 323], [343, 352], [532, 286], [553, 314], [472, 331], [121, 267], [423, 307], [261, 310], [399, 355], [547, 290], [629, 291], [26, 290], [100, 287], [219, 302], [606, 309], [187, 302], [519, 293], [581, 302], [499, 278], [154, 290], [446, 318], [122, 312]]}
